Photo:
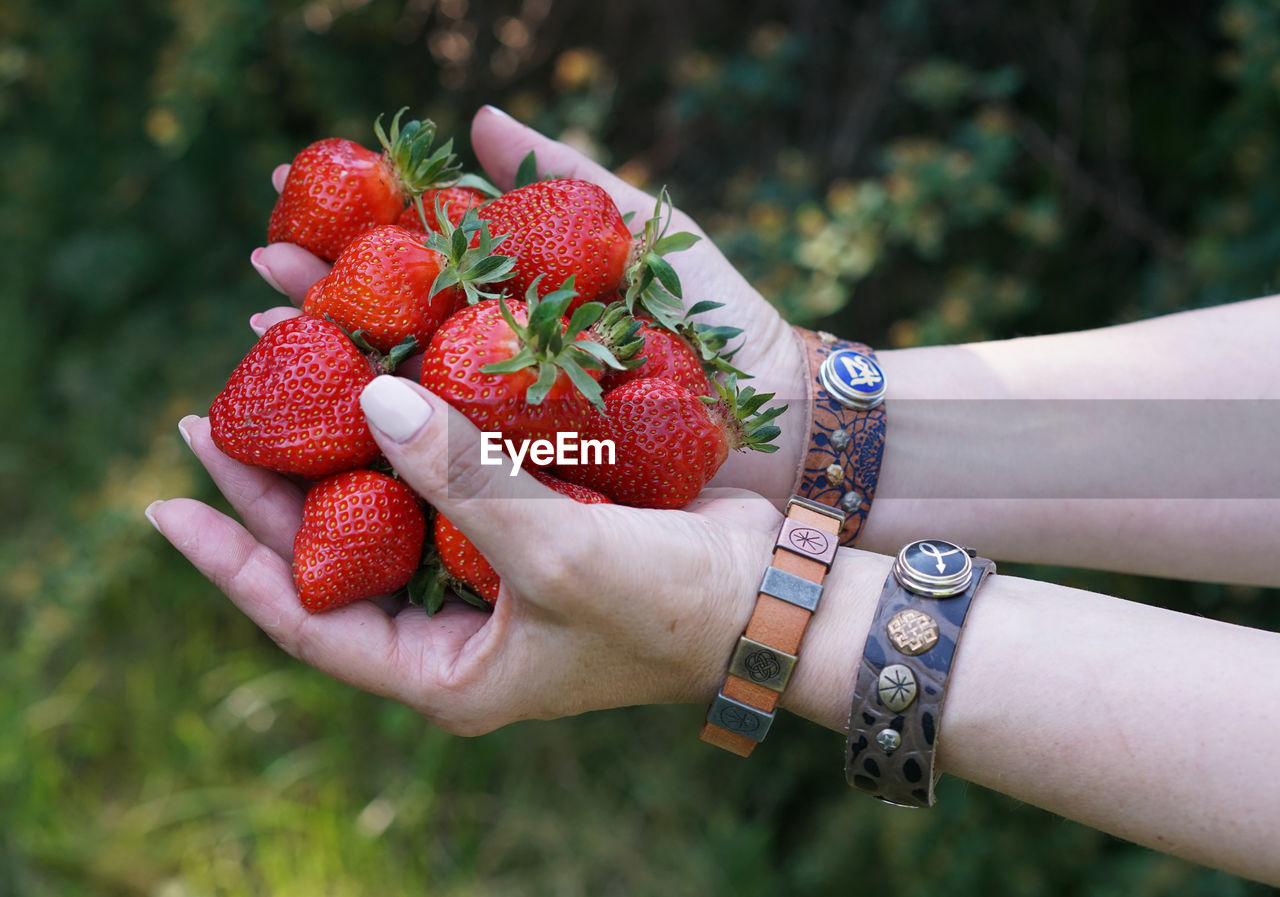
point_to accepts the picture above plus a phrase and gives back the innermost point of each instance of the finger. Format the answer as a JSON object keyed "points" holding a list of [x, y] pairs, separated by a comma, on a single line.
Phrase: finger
{"points": [[288, 268], [402, 658], [279, 175], [357, 643], [501, 143], [439, 453], [263, 321], [269, 504], [738, 507]]}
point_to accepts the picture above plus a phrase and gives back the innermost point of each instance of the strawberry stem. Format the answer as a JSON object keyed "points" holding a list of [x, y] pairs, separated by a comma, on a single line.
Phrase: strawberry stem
{"points": [[551, 346], [408, 148]]}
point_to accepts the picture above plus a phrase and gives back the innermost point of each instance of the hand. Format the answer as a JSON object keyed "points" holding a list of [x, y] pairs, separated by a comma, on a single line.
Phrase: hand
{"points": [[585, 618], [770, 353]]}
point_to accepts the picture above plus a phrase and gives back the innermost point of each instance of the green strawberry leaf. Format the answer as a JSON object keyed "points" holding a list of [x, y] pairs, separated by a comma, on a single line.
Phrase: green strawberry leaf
{"points": [[527, 173]]}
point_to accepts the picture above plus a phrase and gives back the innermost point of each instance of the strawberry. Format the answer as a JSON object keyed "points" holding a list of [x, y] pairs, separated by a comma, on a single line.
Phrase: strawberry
{"points": [[562, 228], [455, 200], [338, 189], [669, 443], [519, 368], [467, 566], [381, 285], [361, 535], [666, 354], [391, 287], [292, 405]]}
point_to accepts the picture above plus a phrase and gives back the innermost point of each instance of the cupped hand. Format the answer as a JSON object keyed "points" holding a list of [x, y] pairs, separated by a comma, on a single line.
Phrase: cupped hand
{"points": [[601, 605], [770, 353]]}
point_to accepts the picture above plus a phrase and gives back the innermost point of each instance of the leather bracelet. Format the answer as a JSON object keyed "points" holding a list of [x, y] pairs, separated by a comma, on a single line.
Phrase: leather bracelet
{"points": [[739, 717], [847, 428], [895, 719]]}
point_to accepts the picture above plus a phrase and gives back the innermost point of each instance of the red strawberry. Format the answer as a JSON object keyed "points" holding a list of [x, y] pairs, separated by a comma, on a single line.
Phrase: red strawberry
{"points": [[337, 189], [454, 200], [667, 355], [517, 368], [565, 227], [559, 229], [464, 562], [292, 405], [381, 285], [361, 536], [668, 442]]}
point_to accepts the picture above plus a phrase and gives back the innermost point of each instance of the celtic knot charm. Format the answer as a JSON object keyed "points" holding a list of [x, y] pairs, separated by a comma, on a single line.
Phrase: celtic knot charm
{"points": [[912, 632]]}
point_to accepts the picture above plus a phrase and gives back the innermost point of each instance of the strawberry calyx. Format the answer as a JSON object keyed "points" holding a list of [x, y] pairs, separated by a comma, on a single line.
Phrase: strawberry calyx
{"points": [[739, 411], [550, 346], [431, 583], [470, 250], [619, 331], [408, 150], [651, 282], [711, 341], [382, 362]]}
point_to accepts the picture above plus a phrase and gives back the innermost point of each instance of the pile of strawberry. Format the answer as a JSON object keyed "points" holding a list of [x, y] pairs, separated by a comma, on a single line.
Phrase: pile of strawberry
{"points": [[533, 312]]}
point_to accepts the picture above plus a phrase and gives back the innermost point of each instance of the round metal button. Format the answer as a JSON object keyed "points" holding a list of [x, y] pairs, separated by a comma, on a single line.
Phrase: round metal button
{"points": [[853, 379], [896, 687], [934, 568]]}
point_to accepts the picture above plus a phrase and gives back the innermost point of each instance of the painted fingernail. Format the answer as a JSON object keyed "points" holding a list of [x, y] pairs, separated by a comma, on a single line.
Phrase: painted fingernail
{"points": [[392, 405], [182, 428], [255, 259], [254, 324], [149, 513]]}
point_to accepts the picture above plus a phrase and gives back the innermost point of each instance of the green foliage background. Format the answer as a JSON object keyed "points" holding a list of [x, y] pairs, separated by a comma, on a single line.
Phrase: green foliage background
{"points": [[905, 172]]}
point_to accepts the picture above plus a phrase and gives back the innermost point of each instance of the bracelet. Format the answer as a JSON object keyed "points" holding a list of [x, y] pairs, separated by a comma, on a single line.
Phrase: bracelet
{"points": [[739, 717], [902, 681], [847, 428]]}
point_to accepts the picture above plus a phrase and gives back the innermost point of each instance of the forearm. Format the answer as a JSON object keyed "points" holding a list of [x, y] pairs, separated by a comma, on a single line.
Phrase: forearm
{"points": [[1102, 448], [1155, 726]]}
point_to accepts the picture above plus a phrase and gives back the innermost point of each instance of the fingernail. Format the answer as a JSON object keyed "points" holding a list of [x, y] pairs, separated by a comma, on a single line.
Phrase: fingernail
{"points": [[265, 272], [254, 325], [148, 513], [494, 110], [182, 428], [392, 405]]}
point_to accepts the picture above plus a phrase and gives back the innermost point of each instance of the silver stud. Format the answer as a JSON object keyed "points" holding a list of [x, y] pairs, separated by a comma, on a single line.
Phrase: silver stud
{"points": [[840, 440], [828, 339], [834, 474], [889, 740], [851, 501]]}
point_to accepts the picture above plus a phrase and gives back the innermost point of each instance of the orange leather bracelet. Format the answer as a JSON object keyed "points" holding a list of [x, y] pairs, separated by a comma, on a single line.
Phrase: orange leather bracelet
{"points": [[739, 717]]}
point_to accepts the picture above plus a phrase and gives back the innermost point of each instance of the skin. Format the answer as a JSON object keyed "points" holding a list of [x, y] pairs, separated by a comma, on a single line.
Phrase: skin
{"points": [[1117, 720]]}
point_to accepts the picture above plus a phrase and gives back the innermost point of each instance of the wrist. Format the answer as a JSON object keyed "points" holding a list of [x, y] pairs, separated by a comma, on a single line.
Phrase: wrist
{"points": [[821, 688]]}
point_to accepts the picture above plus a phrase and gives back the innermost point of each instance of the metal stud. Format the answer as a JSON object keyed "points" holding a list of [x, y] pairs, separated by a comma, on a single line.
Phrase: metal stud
{"points": [[840, 440], [889, 740], [834, 474], [896, 687], [912, 632], [851, 501]]}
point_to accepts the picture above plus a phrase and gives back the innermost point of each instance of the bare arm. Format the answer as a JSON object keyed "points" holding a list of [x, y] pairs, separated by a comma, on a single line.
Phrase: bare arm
{"points": [[1108, 448], [1158, 727]]}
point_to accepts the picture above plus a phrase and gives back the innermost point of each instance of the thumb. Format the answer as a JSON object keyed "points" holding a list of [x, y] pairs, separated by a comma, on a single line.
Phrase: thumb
{"points": [[441, 455], [501, 143]]}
